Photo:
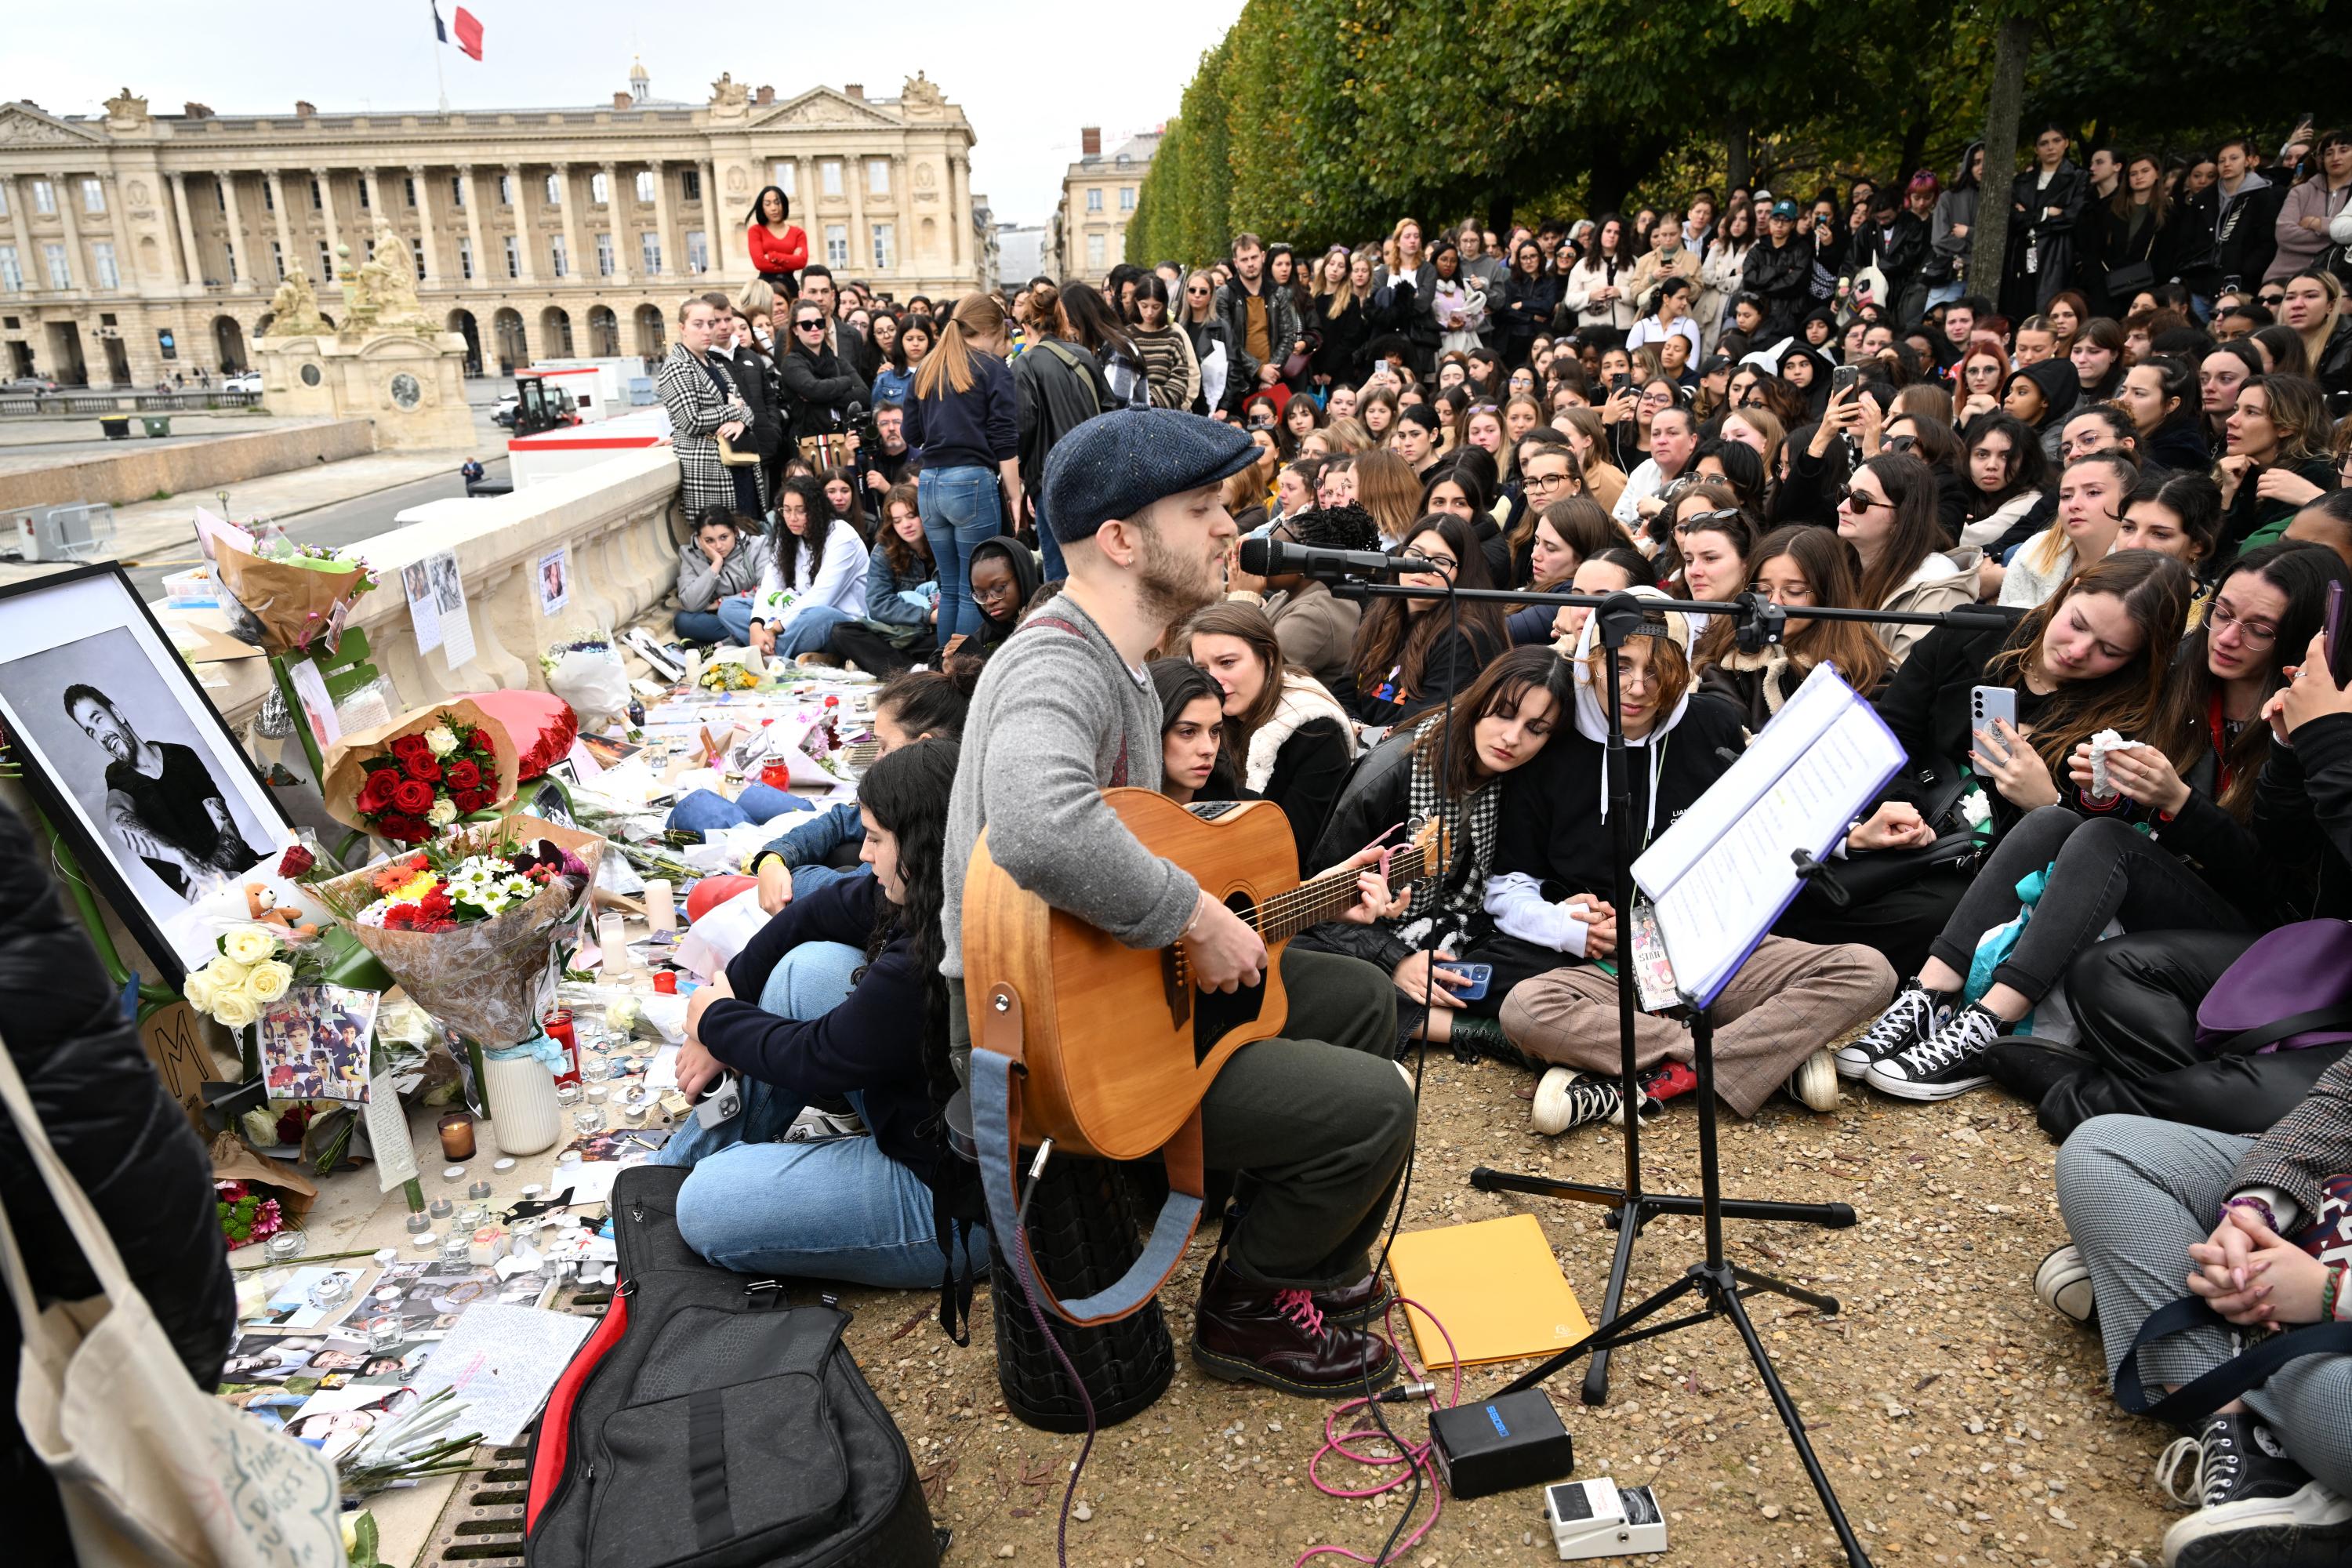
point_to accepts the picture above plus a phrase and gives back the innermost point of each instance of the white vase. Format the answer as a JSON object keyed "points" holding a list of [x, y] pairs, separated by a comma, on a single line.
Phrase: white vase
{"points": [[524, 1117]]}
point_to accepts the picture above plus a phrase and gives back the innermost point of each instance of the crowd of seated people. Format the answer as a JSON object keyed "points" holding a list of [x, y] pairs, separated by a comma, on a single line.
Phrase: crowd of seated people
{"points": [[2142, 491]]}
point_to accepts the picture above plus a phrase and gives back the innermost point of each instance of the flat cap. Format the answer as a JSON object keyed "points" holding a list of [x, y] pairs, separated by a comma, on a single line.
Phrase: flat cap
{"points": [[1117, 464]]}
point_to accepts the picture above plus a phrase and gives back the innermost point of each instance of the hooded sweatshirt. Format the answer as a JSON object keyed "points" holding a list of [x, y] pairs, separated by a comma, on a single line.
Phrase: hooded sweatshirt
{"points": [[2061, 389], [1555, 837], [1025, 574]]}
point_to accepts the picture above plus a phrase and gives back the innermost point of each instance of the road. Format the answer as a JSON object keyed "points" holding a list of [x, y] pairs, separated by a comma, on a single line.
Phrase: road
{"points": [[362, 517]]}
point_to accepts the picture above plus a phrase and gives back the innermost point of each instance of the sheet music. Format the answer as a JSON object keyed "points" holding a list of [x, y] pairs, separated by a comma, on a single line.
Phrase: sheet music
{"points": [[1722, 873]]}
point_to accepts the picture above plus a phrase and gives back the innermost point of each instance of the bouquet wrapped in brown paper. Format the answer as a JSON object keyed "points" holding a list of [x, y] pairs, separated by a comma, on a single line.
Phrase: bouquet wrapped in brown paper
{"points": [[295, 598], [427, 770], [473, 927]]}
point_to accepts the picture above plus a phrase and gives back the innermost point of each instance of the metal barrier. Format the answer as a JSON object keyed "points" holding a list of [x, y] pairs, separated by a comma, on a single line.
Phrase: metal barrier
{"points": [[27, 404]]}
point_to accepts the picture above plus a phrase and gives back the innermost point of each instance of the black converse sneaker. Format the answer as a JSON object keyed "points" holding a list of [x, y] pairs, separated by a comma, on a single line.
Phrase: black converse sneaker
{"points": [[1950, 1062], [1916, 1013], [2254, 1504]]}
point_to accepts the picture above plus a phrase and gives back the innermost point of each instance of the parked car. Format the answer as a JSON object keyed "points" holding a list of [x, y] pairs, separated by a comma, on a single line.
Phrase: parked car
{"points": [[243, 381], [503, 414], [28, 384]]}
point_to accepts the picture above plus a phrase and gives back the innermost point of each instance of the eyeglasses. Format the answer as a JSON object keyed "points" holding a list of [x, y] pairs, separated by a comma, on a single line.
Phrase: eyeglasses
{"points": [[1700, 522], [2254, 634], [1544, 484]]}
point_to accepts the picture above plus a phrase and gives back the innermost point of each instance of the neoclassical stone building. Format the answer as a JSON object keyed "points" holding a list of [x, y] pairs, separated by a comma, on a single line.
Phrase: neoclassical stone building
{"points": [[141, 245]]}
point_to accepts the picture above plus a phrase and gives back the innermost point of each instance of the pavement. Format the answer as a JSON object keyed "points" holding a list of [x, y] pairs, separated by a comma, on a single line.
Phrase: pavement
{"points": [[331, 504]]}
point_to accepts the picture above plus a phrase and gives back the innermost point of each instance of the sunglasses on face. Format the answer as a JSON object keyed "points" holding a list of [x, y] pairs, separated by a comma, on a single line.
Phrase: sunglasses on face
{"points": [[811, 325]]}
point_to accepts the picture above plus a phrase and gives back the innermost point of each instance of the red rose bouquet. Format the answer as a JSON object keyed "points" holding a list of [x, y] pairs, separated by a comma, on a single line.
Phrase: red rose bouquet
{"points": [[425, 772]]}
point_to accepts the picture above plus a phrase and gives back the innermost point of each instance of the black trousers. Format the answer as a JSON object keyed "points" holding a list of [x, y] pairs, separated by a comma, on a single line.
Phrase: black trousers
{"points": [[2100, 868], [2135, 999], [1900, 923]]}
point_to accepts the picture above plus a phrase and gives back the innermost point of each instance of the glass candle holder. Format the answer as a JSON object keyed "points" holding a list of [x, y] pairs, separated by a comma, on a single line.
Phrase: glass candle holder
{"points": [[454, 1246], [284, 1247], [588, 1119], [568, 1094], [456, 1136], [384, 1334], [332, 1290], [595, 1070]]}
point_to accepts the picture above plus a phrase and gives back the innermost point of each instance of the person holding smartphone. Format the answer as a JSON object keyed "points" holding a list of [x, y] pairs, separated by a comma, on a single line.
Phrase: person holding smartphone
{"points": [[2094, 657]]}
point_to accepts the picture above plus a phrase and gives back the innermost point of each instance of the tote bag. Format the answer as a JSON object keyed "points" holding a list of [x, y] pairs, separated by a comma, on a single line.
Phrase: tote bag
{"points": [[150, 1468]]}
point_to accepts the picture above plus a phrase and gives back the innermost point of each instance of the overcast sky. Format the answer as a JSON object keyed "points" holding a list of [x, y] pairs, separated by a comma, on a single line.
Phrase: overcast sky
{"points": [[1027, 77]]}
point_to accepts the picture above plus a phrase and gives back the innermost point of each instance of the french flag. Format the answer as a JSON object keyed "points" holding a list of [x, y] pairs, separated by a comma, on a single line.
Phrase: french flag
{"points": [[469, 30]]}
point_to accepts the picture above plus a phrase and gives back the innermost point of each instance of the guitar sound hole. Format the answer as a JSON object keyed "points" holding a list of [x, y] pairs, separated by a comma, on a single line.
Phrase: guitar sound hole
{"points": [[1216, 1014]]}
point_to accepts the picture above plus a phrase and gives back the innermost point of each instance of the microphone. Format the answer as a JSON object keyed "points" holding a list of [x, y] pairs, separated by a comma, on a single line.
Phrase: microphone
{"points": [[1279, 558]]}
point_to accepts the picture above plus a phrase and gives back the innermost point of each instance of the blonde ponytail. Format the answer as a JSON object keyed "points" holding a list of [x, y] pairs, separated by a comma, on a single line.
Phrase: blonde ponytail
{"points": [[950, 361]]}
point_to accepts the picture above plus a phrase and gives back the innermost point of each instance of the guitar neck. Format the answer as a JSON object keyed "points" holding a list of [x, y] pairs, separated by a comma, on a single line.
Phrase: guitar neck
{"points": [[1333, 893]]}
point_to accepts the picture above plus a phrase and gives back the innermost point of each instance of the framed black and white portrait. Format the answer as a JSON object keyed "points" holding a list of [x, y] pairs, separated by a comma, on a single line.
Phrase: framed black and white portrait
{"points": [[130, 760]]}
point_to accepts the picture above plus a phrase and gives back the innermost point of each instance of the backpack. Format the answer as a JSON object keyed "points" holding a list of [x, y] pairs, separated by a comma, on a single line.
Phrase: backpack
{"points": [[707, 1424]]}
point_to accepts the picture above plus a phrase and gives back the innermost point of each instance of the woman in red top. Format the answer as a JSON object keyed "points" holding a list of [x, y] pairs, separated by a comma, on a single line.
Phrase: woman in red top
{"points": [[779, 248]]}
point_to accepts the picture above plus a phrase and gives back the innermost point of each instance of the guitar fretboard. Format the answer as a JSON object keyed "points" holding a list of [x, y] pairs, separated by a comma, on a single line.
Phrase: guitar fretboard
{"points": [[1285, 915]]}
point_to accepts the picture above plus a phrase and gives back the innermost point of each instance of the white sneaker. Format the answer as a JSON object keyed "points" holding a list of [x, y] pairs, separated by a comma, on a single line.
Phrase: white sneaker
{"points": [[1566, 1099], [2063, 1285], [1814, 1084]]}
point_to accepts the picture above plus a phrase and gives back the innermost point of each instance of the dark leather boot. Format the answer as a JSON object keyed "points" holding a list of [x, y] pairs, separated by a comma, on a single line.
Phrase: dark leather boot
{"points": [[1245, 1333], [1346, 1304]]}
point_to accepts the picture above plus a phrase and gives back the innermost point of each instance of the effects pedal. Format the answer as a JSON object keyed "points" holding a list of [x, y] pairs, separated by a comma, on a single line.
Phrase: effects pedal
{"points": [[1599, 1519]]}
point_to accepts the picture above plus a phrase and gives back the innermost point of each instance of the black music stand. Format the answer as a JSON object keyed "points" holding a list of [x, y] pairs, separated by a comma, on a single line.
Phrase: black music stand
{"points": [[1631, 1208], [1720, 1283]]}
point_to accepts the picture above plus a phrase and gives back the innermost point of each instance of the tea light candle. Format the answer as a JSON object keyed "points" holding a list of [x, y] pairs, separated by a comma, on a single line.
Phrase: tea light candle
{"points": [[440, 1208], [613, 943], [284, 1247], [480, 1192], [502, 1164], [456, 1137], [661, 905]]}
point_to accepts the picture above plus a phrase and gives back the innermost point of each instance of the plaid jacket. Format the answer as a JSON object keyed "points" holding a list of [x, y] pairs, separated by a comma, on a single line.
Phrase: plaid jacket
{"points": [[696, 412], [2309, 1144]]}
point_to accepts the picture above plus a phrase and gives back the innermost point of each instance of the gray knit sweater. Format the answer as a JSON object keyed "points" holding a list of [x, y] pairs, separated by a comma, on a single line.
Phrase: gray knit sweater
{"points": [[1052, 716]]}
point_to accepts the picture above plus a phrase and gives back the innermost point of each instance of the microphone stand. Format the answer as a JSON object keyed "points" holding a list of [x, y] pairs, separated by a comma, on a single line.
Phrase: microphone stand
{"points": [[1721, 1283]]}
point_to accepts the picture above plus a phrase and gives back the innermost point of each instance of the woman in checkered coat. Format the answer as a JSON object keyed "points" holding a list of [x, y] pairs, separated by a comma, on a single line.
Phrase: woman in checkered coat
{"points": [[703, 405]]}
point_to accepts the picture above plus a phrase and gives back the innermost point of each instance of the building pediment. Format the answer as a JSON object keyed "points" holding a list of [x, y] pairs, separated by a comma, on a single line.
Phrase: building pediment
{"points": [[825, 106], [22, 125]]}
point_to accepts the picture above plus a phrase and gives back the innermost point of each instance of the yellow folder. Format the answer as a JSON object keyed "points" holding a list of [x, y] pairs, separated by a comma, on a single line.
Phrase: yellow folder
{"points": [[1495, 1286]]}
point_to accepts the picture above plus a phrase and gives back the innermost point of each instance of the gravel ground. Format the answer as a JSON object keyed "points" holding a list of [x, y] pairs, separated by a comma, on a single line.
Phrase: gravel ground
{"points": [[1959, 1420]]}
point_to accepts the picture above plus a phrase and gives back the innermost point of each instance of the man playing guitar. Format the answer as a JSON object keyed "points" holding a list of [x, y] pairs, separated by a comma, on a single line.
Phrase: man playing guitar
{"points": [[1317, 1122]]}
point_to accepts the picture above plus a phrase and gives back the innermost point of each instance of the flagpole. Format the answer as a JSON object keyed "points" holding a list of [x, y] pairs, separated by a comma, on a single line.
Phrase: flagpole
{"points": [[439, 80]]}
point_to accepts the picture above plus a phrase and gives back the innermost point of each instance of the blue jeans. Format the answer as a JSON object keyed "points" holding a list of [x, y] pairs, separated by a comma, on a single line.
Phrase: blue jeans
{"points": [[836, 1210], [961, 512], [1945, 293], [704, 811], [809, 630], [701, 626], [735, 613]]}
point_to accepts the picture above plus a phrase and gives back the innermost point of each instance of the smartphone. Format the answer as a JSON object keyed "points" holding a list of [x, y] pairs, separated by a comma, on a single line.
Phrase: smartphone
{"points": [[1479, 974], [1987, 704], [2338, 647], [1844, 378]]}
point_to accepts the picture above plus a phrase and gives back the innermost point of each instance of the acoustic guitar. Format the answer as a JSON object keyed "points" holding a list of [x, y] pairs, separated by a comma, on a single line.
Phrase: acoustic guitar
{"points": [[1118, 1045]]}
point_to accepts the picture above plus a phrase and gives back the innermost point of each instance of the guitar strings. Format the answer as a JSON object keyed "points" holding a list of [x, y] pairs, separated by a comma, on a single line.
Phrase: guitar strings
{"points": [[1282, 908]]}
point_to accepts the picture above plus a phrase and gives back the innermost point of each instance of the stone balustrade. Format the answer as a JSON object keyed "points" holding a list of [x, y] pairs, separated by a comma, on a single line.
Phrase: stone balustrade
{"points": [[612, 516]]}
